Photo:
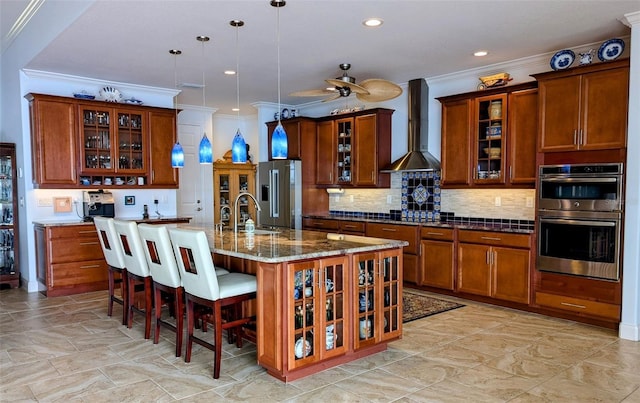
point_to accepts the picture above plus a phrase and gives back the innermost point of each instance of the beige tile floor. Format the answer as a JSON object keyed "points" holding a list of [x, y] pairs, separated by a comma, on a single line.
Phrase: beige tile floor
{"points": [[67, 349]]}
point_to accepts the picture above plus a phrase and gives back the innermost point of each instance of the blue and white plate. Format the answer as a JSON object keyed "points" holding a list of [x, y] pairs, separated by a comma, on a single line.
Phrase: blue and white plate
{"points": [[562, 60], [611, 49]]}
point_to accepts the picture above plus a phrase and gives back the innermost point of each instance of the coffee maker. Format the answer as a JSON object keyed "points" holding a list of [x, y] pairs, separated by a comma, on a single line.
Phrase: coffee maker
{"points": [[97, 203]]}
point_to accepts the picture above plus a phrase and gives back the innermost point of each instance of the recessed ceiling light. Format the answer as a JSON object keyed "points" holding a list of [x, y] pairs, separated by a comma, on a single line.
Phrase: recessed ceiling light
{"points": [[481, 53], [235, 109], [230, 72], [372, 22]]}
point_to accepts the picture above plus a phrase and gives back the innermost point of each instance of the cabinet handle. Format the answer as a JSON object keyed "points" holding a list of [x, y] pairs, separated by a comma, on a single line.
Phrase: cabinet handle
{"points": [[575, 136], [491, 238], [494, 257], [88, 232], [90, 266], [389, 229], [486, 258], [88, 243], [510, 172], [474, 174], [573, 305], [372, 175], [435, 233], [349, 226], [581, 137], [330, 176]]}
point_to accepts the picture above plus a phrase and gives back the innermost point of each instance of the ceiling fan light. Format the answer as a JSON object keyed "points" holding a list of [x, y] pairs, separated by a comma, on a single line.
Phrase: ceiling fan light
{"points": [[238, 149], [204, 151], [279, 147], [177, 156]]}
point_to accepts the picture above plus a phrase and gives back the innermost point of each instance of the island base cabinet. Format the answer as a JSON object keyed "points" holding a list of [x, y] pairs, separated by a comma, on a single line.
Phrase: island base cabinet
{"points": [[308, 317]]}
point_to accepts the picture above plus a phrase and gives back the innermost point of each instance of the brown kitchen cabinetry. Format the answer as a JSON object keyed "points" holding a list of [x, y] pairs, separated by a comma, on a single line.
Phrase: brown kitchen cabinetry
{"points": [[488, 137], [378, 297], [95, 144], [584, 108], [298, 131], [69, 259], [53, 141], [229, 180], [494, 264], [353, 148], [437, 258], [581, 296], [320, 224], [401, 232]]}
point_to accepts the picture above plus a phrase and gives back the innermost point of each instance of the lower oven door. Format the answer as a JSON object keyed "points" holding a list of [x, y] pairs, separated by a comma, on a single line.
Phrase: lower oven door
{"points": [[579, 243]]}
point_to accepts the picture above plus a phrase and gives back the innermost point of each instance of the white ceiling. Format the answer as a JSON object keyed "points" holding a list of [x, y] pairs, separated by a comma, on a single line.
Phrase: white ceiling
{"points": [[128, 41]]}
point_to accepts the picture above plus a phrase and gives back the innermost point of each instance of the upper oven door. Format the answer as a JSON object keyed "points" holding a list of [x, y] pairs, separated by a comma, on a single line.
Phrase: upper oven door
{"points": [[580, 193]]}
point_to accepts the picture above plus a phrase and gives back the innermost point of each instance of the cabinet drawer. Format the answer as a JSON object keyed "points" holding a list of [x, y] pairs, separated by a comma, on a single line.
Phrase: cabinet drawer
{"points": [[78, 273], [407, 233], [436, 233], [585, 306], [73, 231], [320, 224], [495, 238], [64, 250], [352, 227]]}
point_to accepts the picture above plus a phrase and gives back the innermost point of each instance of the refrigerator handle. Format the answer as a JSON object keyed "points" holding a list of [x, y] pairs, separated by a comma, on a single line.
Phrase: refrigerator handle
{"points": [[274, 188]]}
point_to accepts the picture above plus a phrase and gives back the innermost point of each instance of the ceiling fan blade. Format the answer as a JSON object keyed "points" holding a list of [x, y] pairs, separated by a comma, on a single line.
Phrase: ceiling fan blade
{"points": [[312, 93], [379, 90], [355, 88], [332, 98]]}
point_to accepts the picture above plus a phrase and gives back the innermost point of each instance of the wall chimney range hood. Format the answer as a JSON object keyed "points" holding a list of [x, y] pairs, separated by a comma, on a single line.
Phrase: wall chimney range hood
{"points": [[416, 160]]}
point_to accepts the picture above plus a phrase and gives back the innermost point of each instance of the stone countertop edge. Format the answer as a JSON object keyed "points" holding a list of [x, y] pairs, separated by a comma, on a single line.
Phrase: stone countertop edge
{"points": [[475, 227], [57, 223], [287, 245]]}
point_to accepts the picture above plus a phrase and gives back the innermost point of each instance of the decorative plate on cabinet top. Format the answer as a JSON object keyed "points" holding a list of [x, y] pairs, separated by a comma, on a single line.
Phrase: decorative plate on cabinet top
{"points": [[83, 95], [110, 94], [611, 49], [562, 59], [132, 101]]}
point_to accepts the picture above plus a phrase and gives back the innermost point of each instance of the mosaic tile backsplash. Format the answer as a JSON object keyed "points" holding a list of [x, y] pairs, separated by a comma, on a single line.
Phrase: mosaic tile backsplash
{"points": [[420, 196]]}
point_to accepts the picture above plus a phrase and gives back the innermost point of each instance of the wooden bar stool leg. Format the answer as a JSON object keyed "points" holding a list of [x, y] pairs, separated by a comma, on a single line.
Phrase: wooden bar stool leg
{"points": [[187, 355], [157, 294], [148, 302], [217, 310]]}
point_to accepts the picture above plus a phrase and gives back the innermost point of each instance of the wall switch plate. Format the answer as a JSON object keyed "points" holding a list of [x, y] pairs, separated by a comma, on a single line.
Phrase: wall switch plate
{"points": [[529, 201], [498, 201], [62, 205], [45, 202], [389, 199]]}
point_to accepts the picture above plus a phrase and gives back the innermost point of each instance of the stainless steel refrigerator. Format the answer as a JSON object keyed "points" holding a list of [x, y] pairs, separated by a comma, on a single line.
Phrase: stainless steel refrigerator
{"points": [[280, 193]]}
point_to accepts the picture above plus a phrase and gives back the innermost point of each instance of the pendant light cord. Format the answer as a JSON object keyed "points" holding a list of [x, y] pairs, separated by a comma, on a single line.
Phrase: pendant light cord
{"points": [[238, 72], [278, 43], [203, 85]]}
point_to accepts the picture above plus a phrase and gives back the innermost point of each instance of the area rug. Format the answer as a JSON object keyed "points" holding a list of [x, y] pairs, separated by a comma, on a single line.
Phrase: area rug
{"points": [[417, 306]]}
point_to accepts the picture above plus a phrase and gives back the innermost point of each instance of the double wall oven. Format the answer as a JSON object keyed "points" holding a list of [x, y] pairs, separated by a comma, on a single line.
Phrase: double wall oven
{"points": [[580, 208]]}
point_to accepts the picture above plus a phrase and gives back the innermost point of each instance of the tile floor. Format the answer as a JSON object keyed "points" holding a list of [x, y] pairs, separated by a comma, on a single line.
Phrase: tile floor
{"points": [[67, 349]]}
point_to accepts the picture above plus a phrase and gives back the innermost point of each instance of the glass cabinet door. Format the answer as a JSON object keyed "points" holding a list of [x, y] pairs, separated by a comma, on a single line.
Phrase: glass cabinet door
{"points": [[366, 294], [391, 282], [96, 140], [245, 206], [304, 313], [7, 236], [490, 134], [131, 143], [334, 296], [344, 160], [224, 192]]}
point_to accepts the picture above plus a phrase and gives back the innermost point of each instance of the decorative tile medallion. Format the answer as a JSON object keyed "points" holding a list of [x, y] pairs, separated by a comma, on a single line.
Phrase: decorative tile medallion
{"points": [[420, 201]]}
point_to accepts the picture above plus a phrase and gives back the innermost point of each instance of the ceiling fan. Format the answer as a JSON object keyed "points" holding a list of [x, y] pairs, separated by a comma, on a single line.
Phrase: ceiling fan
{"points": [[371, 90]]}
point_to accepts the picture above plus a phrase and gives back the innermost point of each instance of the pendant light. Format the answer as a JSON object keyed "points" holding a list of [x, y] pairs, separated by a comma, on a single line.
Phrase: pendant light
{"points": [[238, 145], [177, 153], [204, 150], [279, 137]]}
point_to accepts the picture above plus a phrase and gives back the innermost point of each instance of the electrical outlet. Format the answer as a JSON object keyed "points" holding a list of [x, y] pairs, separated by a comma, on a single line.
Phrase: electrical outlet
{"points": [[389, 199], [45, 202], [351, 198], [498, 201], [529, 201]]}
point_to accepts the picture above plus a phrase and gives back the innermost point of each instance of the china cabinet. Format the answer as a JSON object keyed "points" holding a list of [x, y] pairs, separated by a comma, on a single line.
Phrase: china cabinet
{"points": [[81, 143], [488, 137], [584, 108], [494, 264], [353, 148], [9, 239], [229, 180], [318, 310], [437, 268], [378, 290]]}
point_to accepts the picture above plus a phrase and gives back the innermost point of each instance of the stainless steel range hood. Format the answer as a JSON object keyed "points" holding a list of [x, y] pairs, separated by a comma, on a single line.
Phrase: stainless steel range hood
{"points": [[416, 160]]}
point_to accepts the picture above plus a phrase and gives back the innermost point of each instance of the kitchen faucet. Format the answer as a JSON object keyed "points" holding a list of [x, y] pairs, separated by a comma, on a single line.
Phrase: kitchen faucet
{"points": [[237, 208]]}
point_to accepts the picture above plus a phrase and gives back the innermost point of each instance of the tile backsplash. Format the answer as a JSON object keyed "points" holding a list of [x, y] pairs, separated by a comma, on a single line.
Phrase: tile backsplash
{"points": [[515, 204]]}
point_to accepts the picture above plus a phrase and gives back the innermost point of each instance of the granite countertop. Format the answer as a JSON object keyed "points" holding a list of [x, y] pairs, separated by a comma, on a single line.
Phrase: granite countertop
{"points": [[437, 224], [284, 245], [56, 222]]}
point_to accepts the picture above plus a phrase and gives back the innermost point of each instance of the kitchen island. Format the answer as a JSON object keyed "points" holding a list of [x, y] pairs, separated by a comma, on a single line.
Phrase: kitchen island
{"points": [[323, 299]]}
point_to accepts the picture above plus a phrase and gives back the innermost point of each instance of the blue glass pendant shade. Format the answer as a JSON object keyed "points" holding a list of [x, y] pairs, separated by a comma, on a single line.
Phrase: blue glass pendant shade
{"points": [[205, 152], [238, 149], [279, 143], [177, 156]]}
